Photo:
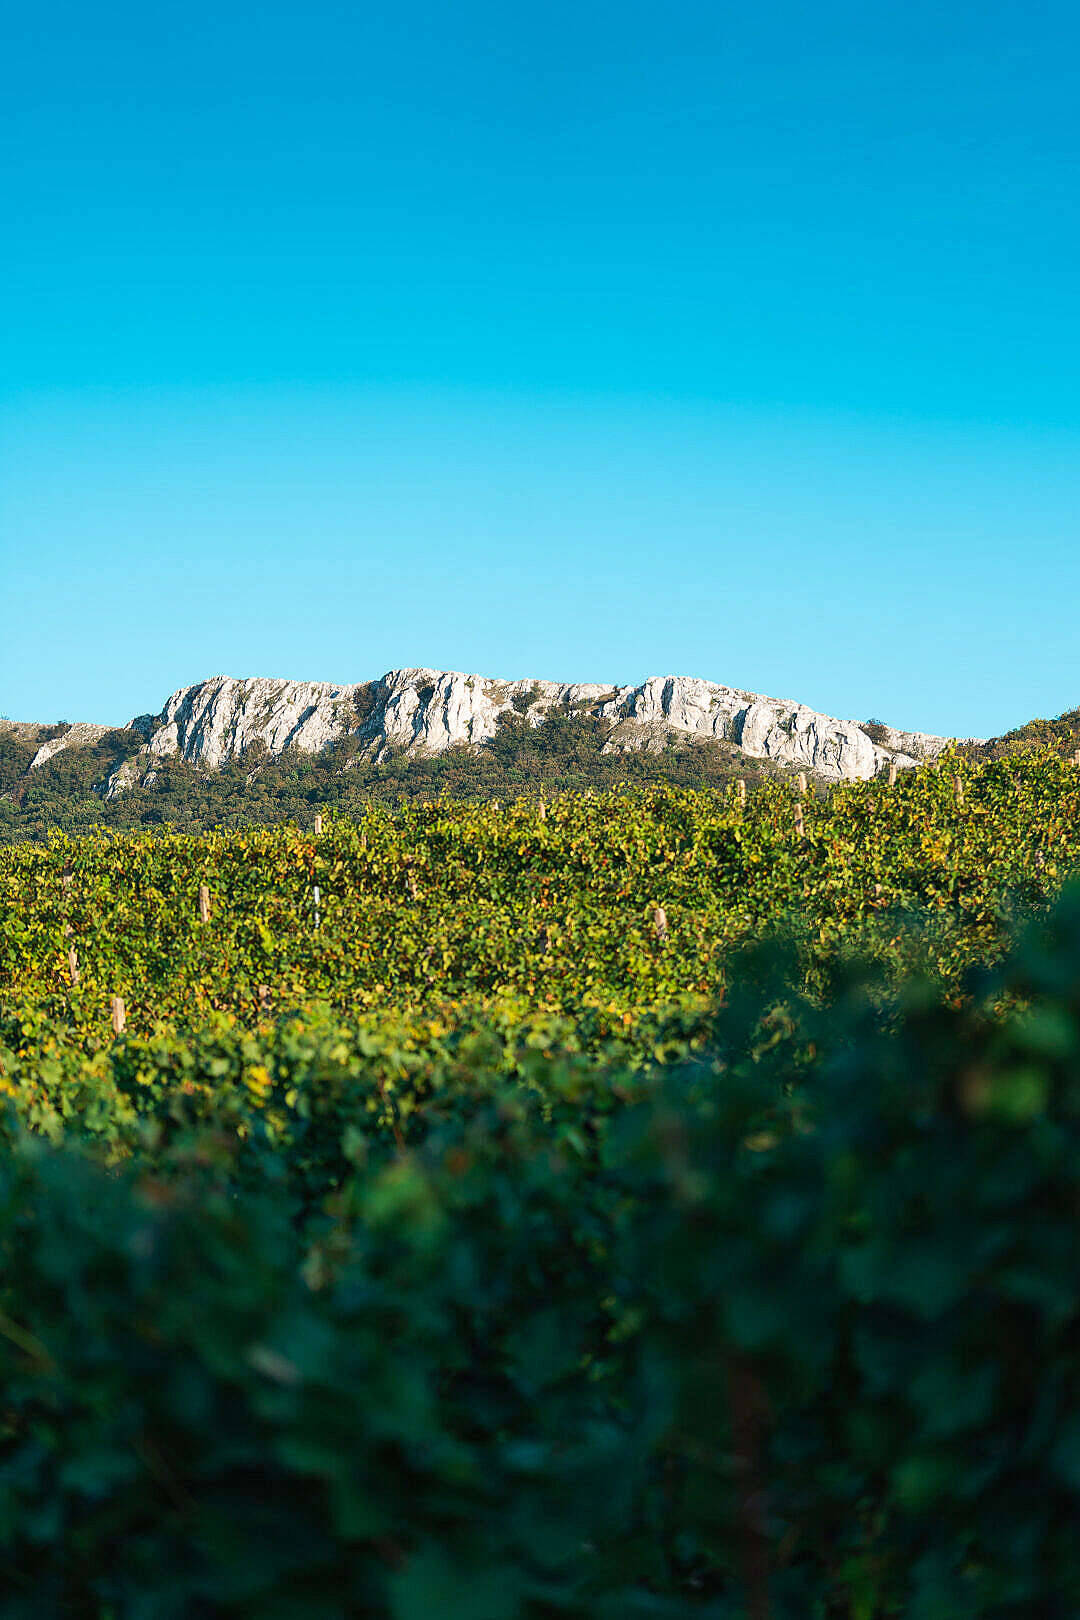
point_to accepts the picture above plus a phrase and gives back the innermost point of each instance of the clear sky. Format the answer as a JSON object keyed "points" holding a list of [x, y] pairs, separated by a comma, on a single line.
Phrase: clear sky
{"points": [[576, 341]]}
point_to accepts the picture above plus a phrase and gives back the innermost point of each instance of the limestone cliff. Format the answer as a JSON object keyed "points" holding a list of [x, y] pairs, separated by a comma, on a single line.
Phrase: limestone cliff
{"points": [[428, 711], [79, 735]]}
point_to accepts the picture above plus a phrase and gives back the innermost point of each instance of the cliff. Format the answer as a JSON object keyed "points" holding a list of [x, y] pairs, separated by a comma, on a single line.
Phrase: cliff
{"points": [[426, 711]]}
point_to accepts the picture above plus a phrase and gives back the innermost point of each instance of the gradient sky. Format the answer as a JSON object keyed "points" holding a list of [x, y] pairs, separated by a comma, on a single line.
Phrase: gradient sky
{"points": [[585, 342]]}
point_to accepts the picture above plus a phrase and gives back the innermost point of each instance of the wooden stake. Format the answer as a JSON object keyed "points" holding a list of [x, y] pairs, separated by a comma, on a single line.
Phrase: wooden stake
{"points": [[1076, 756], [800, 829], [892, 773], [800, 782], [958, 789], [73, 965], [659, 922], [542, 811], [318, 825], [66, 875], [204, 903], [118, 1016], [264, 1000], [318, 897], [740, 792]]}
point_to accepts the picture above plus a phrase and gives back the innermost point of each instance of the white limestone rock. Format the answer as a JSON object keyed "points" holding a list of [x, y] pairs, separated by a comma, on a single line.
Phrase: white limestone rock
{"points": [[126, 775], [763, 728], [426, 711], [80, 735], [834, 749], [221, 719], [918, 745]]}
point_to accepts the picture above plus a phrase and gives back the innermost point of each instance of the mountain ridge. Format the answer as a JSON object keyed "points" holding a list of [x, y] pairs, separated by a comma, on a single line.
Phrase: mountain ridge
{"points": [[425, 712]]}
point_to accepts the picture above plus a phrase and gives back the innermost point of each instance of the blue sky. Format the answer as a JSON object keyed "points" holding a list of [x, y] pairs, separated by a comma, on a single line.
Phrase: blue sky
{"points": [[583, 342]]}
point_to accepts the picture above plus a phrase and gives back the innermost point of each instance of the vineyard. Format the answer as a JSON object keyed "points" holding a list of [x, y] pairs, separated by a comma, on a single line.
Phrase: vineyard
{"points": [[648, 1203]]}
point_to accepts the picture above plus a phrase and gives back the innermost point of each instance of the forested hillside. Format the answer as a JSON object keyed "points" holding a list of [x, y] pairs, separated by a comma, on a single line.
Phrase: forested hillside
{"points": [[67, 793], [1061, 735]]}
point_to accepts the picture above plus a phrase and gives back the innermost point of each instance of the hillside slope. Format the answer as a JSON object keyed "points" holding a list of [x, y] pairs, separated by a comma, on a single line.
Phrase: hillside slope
{"points": [[425, 712]]}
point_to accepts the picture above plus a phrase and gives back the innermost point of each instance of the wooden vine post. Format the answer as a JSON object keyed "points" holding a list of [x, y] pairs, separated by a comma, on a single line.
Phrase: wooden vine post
{"points": [[800, 826], [316, 893], [659, 922], [204, 903], [800, 782], [66, 878], [119, 1018], [892, 773], [1076, 756], [958, 789], [740, 792]]}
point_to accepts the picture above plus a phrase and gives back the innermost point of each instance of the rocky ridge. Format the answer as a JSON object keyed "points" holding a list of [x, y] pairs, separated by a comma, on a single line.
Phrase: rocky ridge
{"points": [[80, 735], [426, 711]]}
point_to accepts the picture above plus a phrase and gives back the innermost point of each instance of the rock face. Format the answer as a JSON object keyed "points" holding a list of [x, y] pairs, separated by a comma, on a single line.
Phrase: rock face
{"points": [[221, 719], [80, 735], [426, 711]]}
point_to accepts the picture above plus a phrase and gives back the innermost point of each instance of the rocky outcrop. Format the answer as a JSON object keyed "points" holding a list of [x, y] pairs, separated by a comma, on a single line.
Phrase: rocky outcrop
{"points": [[80, 735], [128, 774], [426, 711], [915, 744], [221, 719]]}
